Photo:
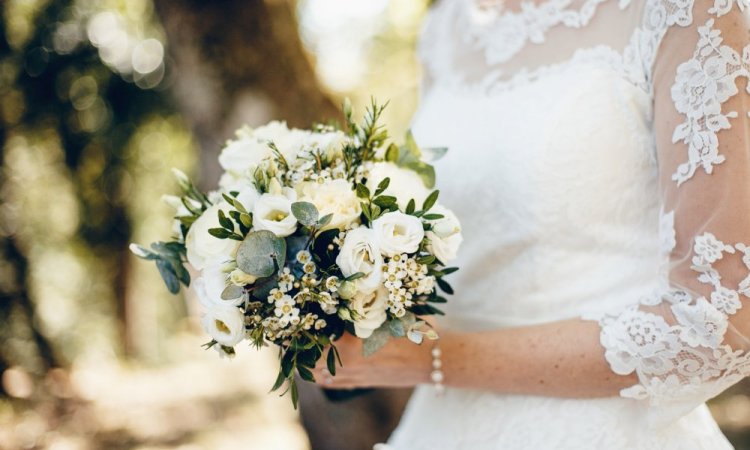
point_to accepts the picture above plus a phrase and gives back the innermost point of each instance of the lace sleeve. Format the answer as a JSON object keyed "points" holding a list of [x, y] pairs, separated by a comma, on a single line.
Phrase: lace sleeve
{"points": [[689, 340]]}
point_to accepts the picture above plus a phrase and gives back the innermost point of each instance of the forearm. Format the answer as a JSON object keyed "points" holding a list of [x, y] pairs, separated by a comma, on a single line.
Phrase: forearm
{"points": [[560, 359]]}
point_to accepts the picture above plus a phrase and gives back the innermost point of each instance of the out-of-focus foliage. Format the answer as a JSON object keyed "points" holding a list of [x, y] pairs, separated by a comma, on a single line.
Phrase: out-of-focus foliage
{"points": [[367, 48]]}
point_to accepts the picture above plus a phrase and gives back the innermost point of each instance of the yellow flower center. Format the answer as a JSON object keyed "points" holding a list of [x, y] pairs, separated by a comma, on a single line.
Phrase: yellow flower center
{"points": [[222, 327]]}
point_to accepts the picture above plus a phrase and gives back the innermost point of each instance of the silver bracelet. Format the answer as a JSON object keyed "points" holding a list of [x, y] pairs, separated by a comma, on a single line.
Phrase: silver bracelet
{"points": [[437, 376]]}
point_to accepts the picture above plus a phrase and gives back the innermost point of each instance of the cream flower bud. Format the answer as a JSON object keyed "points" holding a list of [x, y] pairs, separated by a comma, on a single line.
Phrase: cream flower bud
{"points": [[347, 290], [240, 278], [344, 314]]}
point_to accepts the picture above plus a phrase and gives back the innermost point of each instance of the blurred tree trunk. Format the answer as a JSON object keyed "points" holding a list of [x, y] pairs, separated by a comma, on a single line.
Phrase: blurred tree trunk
{"points": [[240, 61], [236, 62]]}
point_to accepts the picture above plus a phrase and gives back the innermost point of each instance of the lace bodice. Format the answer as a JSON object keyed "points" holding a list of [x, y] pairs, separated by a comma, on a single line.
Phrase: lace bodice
{"points": [[600, 160]]}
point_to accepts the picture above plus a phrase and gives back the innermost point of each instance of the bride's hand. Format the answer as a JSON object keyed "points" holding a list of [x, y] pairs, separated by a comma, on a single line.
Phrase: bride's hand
{"points": [[400, 363]]}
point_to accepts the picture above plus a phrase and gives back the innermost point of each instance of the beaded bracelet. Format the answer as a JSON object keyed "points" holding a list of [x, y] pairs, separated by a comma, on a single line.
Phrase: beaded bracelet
{"points": [[437, 375]]}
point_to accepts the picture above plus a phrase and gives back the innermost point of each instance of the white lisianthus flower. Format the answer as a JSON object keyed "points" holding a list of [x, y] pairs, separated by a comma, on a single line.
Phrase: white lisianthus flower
{"points": [[359, 253], [405, 184], [225, 324], [445, 237], [210, 285], [202, 248], [334, 197], [370, 311], [397, 233], [273, 212]]}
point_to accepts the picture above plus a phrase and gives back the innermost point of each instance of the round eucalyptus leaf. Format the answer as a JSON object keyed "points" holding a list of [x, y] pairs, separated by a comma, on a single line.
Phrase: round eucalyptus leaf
{"points": [[261, 253], [305, 212]]}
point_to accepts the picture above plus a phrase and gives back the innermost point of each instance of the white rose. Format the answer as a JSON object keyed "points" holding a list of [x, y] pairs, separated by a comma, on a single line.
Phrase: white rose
{"points": [[225, 324], [371, 311], [273, 212], [202, 248], [445, 237], [397, 233], [359, 253], [405, 184], [334, 197]]}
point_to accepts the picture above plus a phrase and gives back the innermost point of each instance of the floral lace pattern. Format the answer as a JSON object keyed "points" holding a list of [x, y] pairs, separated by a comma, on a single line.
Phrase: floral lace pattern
{"points": [[673, 361], [502, 36], [703, 83]]}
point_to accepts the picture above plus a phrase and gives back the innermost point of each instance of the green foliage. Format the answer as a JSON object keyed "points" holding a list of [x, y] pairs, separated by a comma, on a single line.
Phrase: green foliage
{"points": [[306, 213], [261, 253], [169, 257]]}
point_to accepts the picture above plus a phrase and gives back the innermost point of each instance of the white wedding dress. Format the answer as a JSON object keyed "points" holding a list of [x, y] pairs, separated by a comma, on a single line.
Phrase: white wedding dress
{"points": [[599, 160]]}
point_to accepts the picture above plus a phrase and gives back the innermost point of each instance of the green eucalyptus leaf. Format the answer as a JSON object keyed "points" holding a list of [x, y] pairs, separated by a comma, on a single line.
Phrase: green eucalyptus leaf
{"points": [[306, 213], [325, 220], [261, 253], [142, 252], [396, 327], [168, 275], [432, 154], [232, 292], [377, 340]]}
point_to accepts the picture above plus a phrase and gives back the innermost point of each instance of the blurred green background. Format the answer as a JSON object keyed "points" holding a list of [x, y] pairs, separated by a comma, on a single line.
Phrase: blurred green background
{"points": [[99, 99]]}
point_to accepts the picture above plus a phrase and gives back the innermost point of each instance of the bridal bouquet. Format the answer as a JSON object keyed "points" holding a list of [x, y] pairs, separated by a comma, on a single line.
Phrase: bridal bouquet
{"points": [[313, 233]]}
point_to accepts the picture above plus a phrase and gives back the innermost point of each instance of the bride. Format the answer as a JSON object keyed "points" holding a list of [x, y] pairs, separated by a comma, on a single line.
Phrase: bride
{"points": [[599, 162]]}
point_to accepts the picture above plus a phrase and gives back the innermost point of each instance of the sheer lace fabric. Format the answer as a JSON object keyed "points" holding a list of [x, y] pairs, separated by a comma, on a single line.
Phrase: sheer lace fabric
{"points": [[605, 147]]}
